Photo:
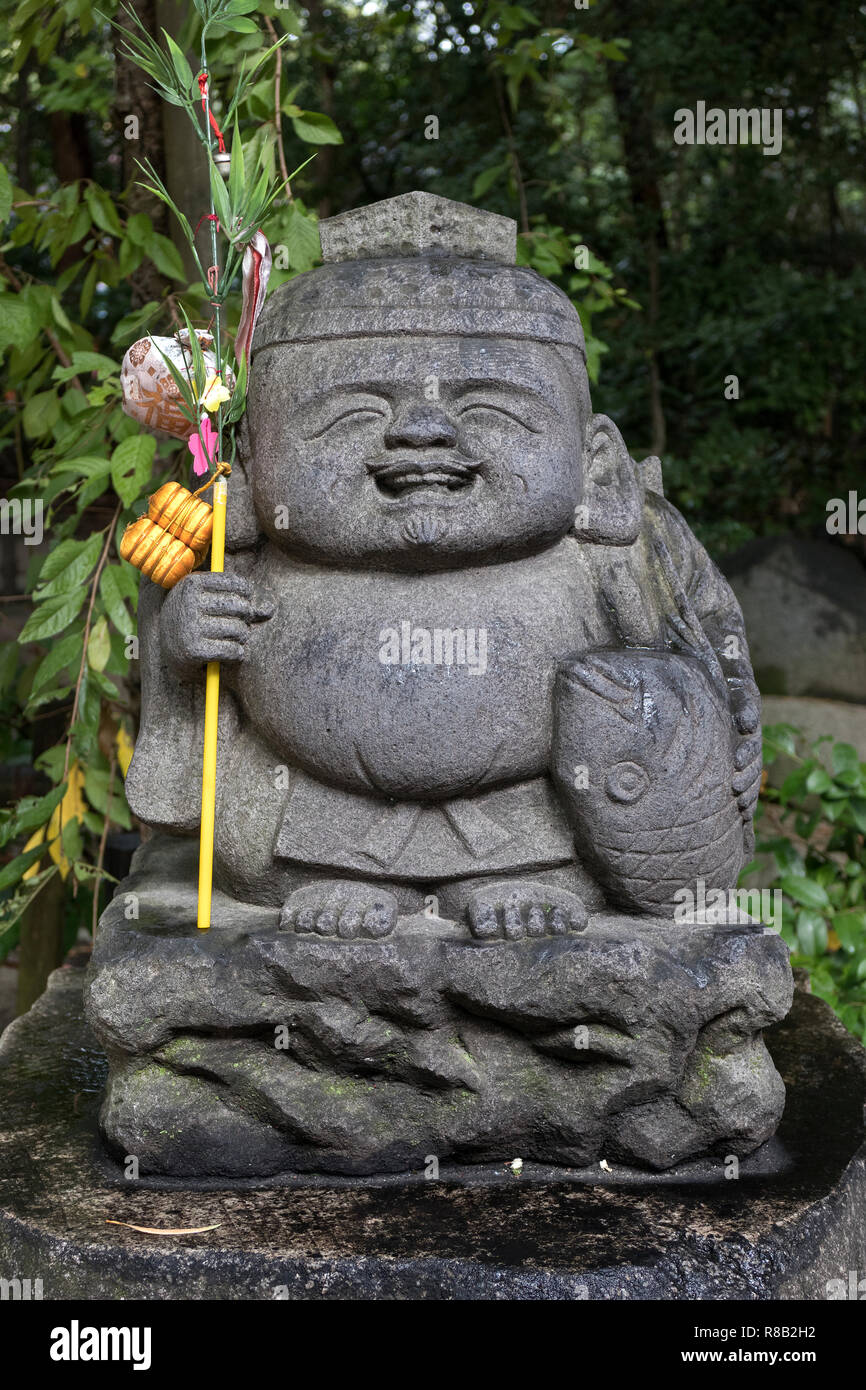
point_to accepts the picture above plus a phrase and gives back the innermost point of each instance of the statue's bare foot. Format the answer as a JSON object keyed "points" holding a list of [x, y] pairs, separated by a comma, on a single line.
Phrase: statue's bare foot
{"points": [[340, 907], [515, 908]]}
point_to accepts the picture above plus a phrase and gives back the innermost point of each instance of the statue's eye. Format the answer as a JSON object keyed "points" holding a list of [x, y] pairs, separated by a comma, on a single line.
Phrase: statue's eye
{"points": [[352, 412], [626, 782], [496, 409]]}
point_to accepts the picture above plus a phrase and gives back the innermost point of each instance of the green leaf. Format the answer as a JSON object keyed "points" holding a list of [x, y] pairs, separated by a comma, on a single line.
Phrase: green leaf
{"points": [[302, 241], [41, 414], [102, 210], [70, 839], [857, 806], [139, 229], [795, 784], [68, 566], [220, 195], [5, 195], [237, 171], [166, 257], [781, 738], [805, 891], [845, 758], [99, 645], [52, 616], [238, 24], [181, 66], [59, 315], [82, 362], [112, 595], [131, 465], [17, 323], [86, 298], [66, 652], [818, 781], [11, 873], [96, 785], [486, 179], [811, 933], [850, 927], [316, 128], [33, 811]]}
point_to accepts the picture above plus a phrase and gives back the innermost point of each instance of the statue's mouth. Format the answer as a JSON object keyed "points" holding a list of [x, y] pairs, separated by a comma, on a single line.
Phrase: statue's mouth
{"points": [[419, 482]]}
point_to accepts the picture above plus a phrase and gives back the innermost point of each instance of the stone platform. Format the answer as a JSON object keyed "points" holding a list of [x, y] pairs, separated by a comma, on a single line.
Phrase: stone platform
{"points": [[793, 1220], [250, 1050]]}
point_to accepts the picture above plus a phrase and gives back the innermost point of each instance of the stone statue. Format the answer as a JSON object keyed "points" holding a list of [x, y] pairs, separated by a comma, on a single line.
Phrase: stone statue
{"points": [[488, 722]]}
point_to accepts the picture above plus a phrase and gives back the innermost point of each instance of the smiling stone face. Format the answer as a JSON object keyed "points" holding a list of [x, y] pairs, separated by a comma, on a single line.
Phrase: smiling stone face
{"points": [[416, 453]]}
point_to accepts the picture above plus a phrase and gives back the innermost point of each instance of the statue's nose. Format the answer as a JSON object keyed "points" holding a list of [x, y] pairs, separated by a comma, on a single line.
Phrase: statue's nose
{"points": [[420, 427]]}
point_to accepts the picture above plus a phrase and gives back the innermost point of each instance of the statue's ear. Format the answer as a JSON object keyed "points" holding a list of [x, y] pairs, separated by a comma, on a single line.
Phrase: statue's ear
{"points": [[612, 493], [242, 528]]}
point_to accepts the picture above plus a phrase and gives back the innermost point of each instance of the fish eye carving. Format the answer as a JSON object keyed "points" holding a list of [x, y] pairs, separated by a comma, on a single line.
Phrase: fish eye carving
{"points": [[626, 782]]}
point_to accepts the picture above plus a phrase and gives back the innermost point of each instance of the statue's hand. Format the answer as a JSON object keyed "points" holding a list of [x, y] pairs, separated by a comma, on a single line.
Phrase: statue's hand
{"points": [[206, 617]]}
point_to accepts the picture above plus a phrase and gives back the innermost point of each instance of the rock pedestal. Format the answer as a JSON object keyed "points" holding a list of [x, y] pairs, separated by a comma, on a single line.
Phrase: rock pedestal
{"points": [[248, 1051], [786, 1222]]}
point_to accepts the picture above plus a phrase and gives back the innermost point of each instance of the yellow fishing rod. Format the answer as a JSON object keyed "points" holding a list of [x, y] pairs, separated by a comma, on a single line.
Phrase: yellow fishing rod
{"points": [[211, 717]]}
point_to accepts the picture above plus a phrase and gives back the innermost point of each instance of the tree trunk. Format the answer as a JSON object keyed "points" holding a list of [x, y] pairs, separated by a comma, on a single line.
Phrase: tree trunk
{"points": [[41, 949], [134, 96], [323, 166], [634, 108]]}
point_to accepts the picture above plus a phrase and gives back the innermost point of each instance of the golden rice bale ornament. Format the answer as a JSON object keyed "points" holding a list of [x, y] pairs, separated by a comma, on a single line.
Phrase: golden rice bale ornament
{"points": [[188, 518], [172, 538]]}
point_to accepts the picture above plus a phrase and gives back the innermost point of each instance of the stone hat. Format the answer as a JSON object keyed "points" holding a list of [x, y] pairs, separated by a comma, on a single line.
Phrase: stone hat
{"points": [[418, 264]]}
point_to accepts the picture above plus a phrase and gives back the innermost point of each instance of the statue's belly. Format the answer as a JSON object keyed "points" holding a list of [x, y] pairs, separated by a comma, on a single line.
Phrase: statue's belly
{"points": [[413, 686]]}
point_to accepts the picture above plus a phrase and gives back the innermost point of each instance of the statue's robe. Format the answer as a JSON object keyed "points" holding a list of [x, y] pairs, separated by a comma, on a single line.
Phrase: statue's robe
{"points": [[291, 800]]}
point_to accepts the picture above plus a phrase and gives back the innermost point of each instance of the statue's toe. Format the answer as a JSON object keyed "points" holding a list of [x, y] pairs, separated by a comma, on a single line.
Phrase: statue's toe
{"points": [[341, 909], [518, 908]]}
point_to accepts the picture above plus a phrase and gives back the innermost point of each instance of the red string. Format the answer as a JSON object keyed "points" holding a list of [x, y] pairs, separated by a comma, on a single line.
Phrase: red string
{"points": [[207, 217], [202, 86]]}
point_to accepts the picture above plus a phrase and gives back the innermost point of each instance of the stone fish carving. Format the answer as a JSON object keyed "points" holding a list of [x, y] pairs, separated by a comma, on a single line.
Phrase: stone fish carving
{"points": [[657, 810], [426, 938]]}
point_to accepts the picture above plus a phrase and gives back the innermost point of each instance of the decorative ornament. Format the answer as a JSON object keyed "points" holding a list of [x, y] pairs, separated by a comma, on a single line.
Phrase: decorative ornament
{"points": [[203, 447], [170, 540], [150, 393], [256, 273], [214, 393]]}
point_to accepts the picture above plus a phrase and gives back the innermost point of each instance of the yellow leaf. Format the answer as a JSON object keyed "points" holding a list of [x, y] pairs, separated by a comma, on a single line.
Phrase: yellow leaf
{"points": [[125, 749], [36, 838], [72, 807]]}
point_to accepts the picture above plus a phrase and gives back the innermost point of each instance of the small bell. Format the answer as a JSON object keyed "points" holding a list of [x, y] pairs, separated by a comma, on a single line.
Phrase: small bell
{"points": [[223, 161]]}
